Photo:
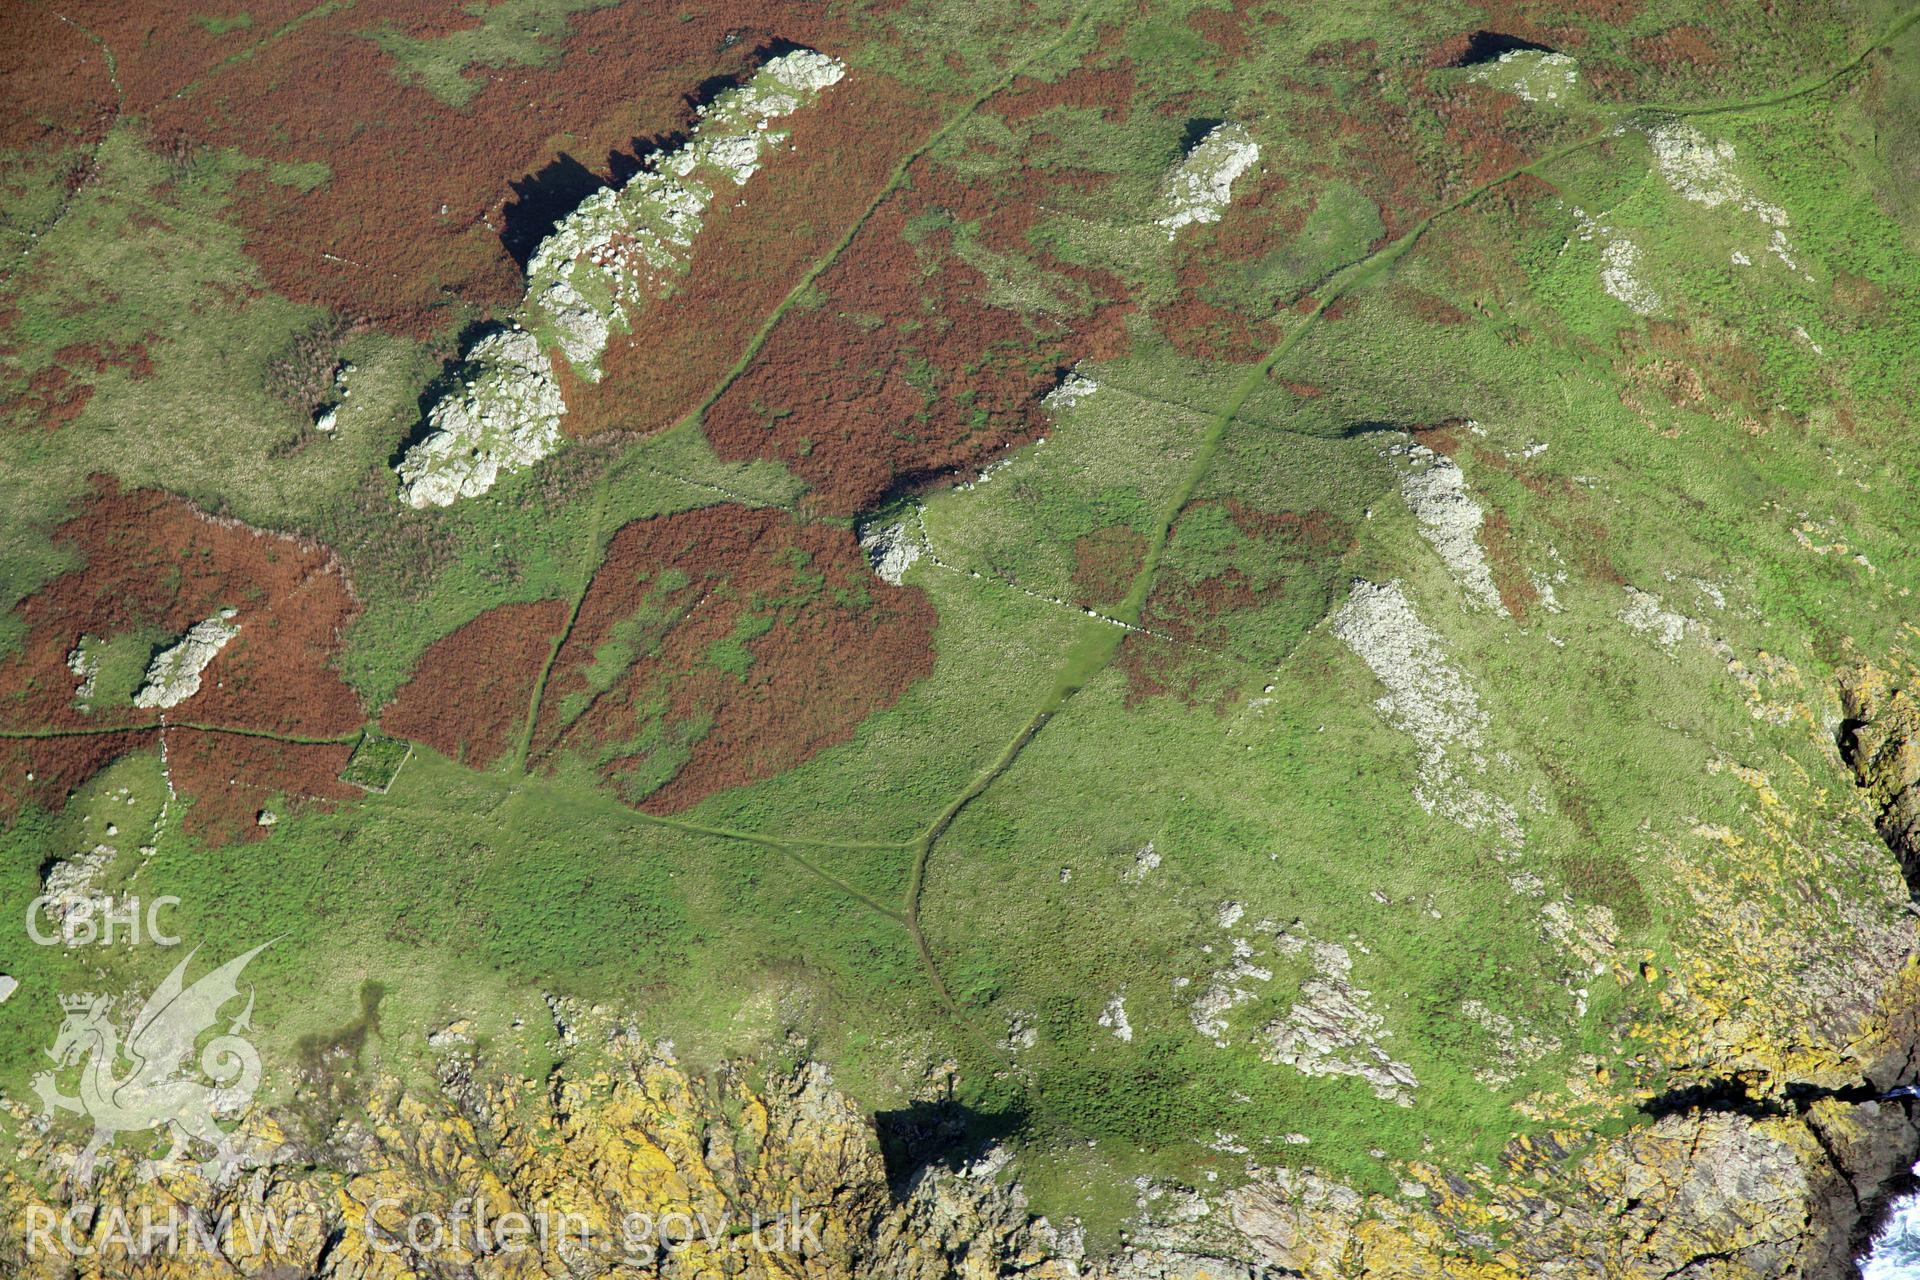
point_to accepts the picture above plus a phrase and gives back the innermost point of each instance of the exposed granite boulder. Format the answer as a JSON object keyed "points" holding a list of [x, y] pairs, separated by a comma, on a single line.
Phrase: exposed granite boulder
{"points": [[507, 418], [174, 675], [623, 247], [1202, 185]]}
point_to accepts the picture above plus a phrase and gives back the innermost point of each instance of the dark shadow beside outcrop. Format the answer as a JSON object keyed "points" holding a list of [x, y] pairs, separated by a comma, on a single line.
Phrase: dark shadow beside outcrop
{"points": [[1732, 1096], [942, 1132], [1723, 1094], [1487, 46], [544, 197], [1355, 430], [1873, 758], [1198, 128], [540, 200]]}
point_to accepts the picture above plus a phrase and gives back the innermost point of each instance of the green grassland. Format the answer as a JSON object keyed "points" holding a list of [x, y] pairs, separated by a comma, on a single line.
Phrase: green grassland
{"points": [[967, 860]]}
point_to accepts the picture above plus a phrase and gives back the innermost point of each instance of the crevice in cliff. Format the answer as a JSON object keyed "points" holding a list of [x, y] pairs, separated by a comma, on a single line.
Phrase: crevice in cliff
{"points": [[1880, 742], [939, 1132]]}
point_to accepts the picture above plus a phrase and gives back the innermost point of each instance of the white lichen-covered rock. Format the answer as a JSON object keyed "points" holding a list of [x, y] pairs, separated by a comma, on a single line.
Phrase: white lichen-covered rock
{"points": [[1332, 1028], [506, 418], [1620, 277], [1431, 700], [891, 550], [85, 665], [1226, 989], [1703, 171], [1146, 859], [1435, 491], [1646, 615], [1621, 273], [620, 249], [1073, 388], [623, 247], [1114, 1018], [1514, 1048], [1202, 186], [174, 675], [1533, 75], [67, 885]]}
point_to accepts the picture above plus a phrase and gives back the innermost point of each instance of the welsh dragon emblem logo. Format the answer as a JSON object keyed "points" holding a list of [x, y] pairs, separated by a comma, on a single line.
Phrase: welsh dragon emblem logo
{"points": [[144, 1082]]}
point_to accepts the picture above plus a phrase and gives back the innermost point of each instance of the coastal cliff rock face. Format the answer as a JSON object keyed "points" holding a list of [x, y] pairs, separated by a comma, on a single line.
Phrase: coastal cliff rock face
{"points": [[646, 1169], [1881, 741]]}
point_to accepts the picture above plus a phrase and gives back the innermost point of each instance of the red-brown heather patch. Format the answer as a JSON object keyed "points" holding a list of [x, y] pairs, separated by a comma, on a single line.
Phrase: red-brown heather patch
{"points": [[1207, 319], [51, 399], [1693, 373], [1565, 507], [1477, 130], [373, 241], [1442, 437], [1431, 308], [160, 45], [902, 373], [1199, 614], [1476, 259], [1305, 390], [1383, 126], [98, 357], [1226, 30], [1104, 564], [468, 695], [746, 259], [151, 560], [841, 646], [229, 779], [1678, 48], [1510, 579], [1207, 330], [57, 394], [59, 94], [1108, 89], [46, 770]]}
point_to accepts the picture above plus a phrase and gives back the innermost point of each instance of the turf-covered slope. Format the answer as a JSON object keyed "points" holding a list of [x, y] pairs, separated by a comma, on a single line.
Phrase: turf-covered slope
{"points": [[1292, 631]]}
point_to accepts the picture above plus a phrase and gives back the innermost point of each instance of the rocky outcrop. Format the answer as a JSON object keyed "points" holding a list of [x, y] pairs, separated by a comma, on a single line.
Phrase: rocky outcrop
{"points": [[636, 1166], [1541, 76], [891, 549], [1430, 698], [505, 417], [1202, 186], [624, 247], [631, 1167], [84, 663], [619, 250], [1880, 740], [174, 675], [622, 1162], [1435, 491], [1332, 1029]]}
